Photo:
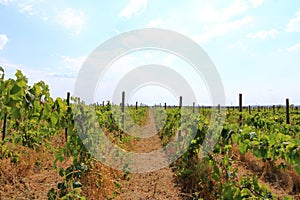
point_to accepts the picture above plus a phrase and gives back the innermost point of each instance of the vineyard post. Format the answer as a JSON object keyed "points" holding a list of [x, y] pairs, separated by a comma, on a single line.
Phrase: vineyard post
{"points": [[68, 111], [287, 111], [219, 108], [273, 109], [180, 102], [103, 103], [123, 108], [240, 109], [136, 105], [249, 109], [165, 106], [4, 126], [193, 107], [180, 106]]}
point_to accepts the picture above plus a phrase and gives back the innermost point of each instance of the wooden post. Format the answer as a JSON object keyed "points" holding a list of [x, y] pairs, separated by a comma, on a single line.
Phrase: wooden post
{"points": [[4, 126], [249, 109], [240, 109], [123, 109], [273, 109], [165, 106], [240, 103], [219, 108], [193, 107], [123, 102], [136, 105], [103, 103], [66, 128], [180, 102], [287, 111], [180, 106]]}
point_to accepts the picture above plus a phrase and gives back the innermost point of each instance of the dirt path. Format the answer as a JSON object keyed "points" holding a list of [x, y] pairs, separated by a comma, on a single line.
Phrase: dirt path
{"points": [[158, 184]]}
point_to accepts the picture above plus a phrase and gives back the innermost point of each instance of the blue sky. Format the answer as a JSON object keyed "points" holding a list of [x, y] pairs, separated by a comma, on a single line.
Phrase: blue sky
{"points": [[255, 44]]}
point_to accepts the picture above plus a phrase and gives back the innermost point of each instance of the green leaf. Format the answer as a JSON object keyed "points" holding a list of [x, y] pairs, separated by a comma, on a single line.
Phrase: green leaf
{"points": [[227, 193], [59, 156], [297, 168], [61, 172], [16, 113], [61, 186], [215, 176], [246, 193], [15, 93], [2, 73], [54, 119], [51, 194], [243, 146]]}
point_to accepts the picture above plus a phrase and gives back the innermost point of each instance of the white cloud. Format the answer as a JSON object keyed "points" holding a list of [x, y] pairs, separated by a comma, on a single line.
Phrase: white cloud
{"points": [[60, 78], [263, 34], [73, 63], [211, 14], [256, 3], [59, 83], [213, 19], [221, 29], [294, 47], [239, 45], [11, 68], [7, 65], [171, 22], [155, 22], [29, 7], [26, 8], [135, 7], [71, 20], [3, 41], [47, 11], [5, 2], [294, 24]]}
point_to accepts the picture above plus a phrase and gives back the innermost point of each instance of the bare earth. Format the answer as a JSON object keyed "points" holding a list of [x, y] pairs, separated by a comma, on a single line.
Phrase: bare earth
{"points": [[160, 184]]}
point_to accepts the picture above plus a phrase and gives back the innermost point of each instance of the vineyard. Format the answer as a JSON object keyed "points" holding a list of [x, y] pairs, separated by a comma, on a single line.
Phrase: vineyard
{"points": [[48, 149]]}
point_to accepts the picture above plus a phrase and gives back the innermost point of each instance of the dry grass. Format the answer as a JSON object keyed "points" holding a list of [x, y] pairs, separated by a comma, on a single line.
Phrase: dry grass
{"points": [[282, 182], [99, 183], [30, 174]]}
